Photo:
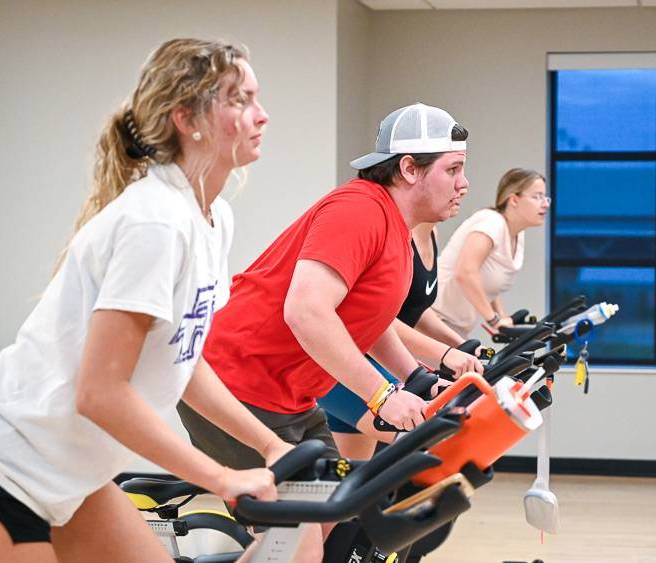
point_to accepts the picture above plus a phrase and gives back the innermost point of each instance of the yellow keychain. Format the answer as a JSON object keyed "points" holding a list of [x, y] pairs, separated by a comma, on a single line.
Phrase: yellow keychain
{"points": [[582, 367]]}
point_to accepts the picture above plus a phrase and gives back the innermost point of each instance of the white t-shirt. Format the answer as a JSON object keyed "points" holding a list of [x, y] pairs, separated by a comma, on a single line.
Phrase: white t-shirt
{"points": [[498, 271], [149, 251]]}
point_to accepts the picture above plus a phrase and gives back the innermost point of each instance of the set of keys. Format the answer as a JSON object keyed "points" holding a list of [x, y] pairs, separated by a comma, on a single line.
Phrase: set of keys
{"points": [[581, 369]]}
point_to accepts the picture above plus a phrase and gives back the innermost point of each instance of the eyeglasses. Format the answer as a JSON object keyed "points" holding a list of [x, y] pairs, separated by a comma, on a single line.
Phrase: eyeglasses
{"points": [[541, 198]]}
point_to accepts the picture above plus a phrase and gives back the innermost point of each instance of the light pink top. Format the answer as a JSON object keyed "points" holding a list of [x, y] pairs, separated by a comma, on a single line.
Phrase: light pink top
{"points": [[497, 272]]}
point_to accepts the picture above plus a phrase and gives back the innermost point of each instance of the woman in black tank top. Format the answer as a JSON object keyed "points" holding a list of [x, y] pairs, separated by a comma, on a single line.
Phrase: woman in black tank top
{"points": [[416, 310], [423, 289]]}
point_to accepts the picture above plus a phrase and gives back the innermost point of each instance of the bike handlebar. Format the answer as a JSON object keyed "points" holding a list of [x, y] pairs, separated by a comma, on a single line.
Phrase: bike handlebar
{"points": [[519, 316], [572, 307], [422, 385], [360, 489], [296, 460], [524, 342]]}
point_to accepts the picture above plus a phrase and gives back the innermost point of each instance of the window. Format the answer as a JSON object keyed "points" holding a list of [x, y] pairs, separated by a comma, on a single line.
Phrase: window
{"points": [[603, 184]]}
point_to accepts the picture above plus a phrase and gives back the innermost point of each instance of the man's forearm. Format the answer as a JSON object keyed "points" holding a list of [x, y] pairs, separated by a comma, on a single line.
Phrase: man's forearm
{"points": [[391, 351]]}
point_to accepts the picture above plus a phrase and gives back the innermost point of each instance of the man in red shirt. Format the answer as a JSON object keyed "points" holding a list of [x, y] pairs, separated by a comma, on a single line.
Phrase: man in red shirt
{"points": [[328, 288], [326, 291]]}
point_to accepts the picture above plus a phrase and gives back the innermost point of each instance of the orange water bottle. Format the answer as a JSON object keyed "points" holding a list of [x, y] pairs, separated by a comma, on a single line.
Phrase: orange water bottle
{"points": [[497, 420]]}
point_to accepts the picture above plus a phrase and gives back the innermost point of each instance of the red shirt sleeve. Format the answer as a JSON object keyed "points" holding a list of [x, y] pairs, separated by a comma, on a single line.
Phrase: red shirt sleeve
{"points": [[347, 233]]}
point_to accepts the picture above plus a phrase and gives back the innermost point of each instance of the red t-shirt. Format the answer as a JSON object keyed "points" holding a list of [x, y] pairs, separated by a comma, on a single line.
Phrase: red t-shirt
{"points": [[358, 231]]}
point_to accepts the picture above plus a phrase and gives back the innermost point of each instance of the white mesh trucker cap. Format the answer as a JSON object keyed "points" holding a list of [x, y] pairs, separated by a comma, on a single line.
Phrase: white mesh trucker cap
{"points": [[412, 129]]}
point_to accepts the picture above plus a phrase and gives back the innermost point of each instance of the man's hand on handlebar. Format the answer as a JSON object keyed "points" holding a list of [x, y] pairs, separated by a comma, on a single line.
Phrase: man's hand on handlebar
{"points": [[403, 410], [460, 362]]}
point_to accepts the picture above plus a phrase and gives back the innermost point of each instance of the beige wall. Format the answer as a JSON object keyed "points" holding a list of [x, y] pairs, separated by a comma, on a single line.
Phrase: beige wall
{"points": [[355, 130], [488, 68], [66, 65]]}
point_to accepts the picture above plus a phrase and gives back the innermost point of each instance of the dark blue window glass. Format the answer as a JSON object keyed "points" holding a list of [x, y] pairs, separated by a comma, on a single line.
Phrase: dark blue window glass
{"points": [[630, 333], [603, 217], [606, 110], [605, 210]]}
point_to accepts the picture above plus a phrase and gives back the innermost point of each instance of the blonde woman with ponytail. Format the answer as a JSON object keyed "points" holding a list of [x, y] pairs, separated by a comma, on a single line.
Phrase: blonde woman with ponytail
{"points": [[115, 341], [484, 255]]}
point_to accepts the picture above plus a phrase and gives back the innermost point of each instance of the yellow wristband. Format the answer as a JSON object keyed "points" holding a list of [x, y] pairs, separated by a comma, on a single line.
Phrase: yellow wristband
{"points": [[375, 405], [378, 394]]}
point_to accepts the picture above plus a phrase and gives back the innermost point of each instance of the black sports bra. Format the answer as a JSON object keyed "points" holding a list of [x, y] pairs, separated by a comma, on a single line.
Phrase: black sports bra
{"points": [[423, 289]]}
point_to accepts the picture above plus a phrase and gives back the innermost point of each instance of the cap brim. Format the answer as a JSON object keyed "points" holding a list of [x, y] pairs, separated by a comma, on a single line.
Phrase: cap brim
{"points": [[370, 159]]}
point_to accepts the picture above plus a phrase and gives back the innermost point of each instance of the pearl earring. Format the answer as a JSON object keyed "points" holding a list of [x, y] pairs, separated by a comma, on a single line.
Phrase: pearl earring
{"points": [[196, 136]]}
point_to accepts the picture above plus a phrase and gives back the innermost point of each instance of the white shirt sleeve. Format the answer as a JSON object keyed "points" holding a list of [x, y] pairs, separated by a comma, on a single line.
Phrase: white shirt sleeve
{"points": [[145, 265]]}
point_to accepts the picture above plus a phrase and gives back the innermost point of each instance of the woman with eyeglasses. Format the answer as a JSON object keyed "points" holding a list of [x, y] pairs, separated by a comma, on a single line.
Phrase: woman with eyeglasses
{"points": [[482, 258]]}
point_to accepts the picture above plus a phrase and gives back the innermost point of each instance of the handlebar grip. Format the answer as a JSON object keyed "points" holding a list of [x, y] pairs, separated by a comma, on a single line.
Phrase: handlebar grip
{"points": [[297, 459], [384, 426], [561, 313], [447, 373], [519, 317], [420, 382], [507, 334], [524, 342], [469, 346], [467, 380], [500, 338]]}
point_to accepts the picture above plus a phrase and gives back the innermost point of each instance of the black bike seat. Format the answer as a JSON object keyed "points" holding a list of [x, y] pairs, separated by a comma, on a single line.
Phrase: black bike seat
{"points": [[160, 490]]}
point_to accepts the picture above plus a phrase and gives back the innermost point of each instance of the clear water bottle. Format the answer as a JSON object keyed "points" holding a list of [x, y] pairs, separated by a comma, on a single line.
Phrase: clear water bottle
{"points": [[597, 314]]}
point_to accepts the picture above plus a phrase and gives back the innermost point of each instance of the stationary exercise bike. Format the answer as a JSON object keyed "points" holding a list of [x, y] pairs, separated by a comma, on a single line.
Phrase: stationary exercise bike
{"points": [[331, 491], [534, 351], [423, 508]]}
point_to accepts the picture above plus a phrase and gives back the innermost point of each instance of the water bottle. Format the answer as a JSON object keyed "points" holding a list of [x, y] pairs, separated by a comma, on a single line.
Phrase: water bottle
{"points": [[497, 420], [597, 314]]}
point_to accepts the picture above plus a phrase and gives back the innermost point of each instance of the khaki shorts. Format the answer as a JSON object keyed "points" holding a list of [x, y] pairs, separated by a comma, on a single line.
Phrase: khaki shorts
{"points": [[292, 428]]}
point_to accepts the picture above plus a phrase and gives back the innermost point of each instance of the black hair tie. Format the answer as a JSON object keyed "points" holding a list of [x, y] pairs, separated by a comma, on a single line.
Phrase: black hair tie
{"points": [[137, 149]]}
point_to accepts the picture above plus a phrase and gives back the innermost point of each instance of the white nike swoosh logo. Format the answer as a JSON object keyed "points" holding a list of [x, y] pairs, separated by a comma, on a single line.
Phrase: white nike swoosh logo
{"points": [[430, 287]]}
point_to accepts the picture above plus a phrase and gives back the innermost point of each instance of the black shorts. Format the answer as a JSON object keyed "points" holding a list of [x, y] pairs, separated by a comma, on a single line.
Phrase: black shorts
{"points": [[292, 428], [22, 524]]}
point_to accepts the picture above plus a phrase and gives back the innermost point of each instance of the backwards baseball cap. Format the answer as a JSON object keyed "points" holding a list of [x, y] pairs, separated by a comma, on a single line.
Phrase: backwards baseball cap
{"points": [[409, 130]]}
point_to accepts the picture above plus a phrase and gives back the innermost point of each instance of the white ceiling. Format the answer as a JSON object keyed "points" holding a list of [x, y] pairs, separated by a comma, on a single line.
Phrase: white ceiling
{"points": [[498, 4]]}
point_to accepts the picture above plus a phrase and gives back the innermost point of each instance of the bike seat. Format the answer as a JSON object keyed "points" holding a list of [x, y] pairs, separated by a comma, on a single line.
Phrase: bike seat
{"points": [[148, 492]]}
